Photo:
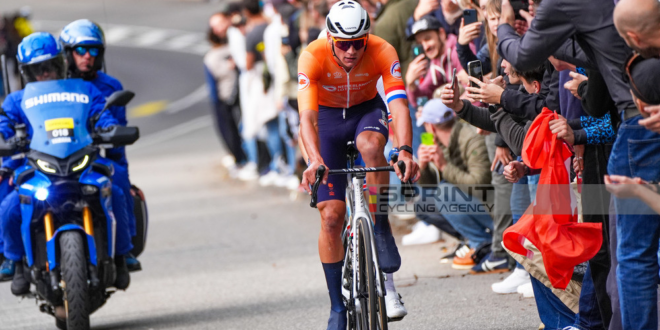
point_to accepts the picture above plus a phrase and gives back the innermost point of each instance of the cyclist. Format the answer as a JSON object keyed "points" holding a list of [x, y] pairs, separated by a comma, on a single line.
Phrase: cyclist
{"points": [[40, 59], [84, 44], [338, 103]]}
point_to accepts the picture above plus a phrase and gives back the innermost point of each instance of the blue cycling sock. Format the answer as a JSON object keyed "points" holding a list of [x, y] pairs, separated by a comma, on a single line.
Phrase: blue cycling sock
{"points": [[382, 225], [333, 279]]}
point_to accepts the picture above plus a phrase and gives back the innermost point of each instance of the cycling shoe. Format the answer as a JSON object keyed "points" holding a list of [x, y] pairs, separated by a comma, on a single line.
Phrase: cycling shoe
{"points": [[337, 320]]}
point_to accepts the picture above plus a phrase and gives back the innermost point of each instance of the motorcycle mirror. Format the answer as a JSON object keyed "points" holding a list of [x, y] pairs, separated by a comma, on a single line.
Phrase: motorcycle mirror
{"points": [[119, 99]]}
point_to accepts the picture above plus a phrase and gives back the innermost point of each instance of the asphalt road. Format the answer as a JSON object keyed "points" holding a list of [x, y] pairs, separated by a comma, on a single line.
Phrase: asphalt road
{"points": [[224, 254]]}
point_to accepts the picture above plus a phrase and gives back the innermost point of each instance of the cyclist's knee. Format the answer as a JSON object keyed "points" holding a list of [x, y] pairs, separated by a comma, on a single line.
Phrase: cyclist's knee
{"points": [[371, 146], [332, 217]]}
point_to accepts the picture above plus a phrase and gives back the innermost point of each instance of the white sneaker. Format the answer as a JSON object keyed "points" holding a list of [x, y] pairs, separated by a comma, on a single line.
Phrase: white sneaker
{"points": [[526, 290], [422, 234], [248, 172], [290, 182], [512, 282], [228, 161], [394, 305], [269, 179]]}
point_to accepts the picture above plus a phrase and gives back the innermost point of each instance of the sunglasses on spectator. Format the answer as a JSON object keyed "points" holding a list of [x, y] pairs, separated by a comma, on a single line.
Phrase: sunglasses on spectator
{"points": [[630, 64], [94, 52], [345, 44]]}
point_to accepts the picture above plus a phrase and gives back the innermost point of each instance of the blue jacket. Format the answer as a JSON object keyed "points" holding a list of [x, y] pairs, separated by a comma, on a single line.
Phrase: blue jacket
{"points": [[15, 115], [107, 85]]}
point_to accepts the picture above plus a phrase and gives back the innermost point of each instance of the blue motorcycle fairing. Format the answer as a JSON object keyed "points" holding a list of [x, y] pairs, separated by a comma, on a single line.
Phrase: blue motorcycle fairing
{"points": [[40, 180], [57, 113], [28, 189], [51, 245], [89, 177]]}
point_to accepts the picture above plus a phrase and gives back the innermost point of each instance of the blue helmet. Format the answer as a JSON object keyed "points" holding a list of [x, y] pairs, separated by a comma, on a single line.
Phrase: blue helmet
{"points": [[38, 47], [83, 33], [39, 53]]}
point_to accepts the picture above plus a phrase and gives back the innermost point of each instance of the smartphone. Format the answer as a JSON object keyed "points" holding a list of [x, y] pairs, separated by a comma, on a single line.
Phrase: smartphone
{"points": [[474, 70], [453, 79], [518, 5], [427, 139], [418, 50], [469, 16], [499, 168]]}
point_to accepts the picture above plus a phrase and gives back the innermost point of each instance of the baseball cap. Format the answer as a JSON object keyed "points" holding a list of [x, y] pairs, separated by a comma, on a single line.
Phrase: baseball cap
{"points": [[645, 76], [435, 112], [426, 23]]}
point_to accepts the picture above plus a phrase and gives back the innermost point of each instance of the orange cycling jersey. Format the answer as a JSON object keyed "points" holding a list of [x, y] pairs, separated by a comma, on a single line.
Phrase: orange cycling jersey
{"points": [[321, 81]]}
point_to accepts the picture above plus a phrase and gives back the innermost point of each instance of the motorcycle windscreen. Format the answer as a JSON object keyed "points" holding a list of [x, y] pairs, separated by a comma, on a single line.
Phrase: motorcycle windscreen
{"points": [[57, 112]]}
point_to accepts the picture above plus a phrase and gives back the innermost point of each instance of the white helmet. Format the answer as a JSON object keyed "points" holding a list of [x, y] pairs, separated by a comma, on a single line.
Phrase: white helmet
{"points": [[348, 20]]}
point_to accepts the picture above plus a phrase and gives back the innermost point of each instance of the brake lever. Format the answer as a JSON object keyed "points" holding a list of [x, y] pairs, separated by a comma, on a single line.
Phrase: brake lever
{"points": [[315, 188], [402, 169]]}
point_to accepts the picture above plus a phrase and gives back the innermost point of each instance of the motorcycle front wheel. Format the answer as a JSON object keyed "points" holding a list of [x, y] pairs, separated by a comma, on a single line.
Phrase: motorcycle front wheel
{"points": [[73, 264]]}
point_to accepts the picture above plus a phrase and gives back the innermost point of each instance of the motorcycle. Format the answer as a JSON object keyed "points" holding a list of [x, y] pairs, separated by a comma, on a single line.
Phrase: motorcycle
{"points": [[68, 226]]}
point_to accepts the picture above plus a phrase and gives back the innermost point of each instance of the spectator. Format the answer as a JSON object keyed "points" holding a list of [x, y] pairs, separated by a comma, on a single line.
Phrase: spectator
{"points": [[222, 79], [284, 89], [433, 68], [447, 12], [390, 24], [460, 156], [259, 110]]}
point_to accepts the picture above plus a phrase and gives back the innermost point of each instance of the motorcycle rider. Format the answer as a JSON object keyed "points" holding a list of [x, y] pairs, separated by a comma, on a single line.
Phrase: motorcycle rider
{"points": [[40, 58], [84, 44]]}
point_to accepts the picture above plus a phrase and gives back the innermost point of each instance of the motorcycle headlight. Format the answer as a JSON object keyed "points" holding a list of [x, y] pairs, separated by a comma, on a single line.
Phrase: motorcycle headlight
{"points": [[46, 166], [81, 164]]}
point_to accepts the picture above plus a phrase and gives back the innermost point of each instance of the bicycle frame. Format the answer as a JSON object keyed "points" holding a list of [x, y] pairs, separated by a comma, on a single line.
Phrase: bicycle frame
{"points": [[358, 209]]}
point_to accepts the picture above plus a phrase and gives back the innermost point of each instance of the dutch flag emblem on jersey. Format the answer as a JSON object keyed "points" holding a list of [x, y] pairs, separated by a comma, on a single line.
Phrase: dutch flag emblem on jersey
{"points": [[393, 93]]}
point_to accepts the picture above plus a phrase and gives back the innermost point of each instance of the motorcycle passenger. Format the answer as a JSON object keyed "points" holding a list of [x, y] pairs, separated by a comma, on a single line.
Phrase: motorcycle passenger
{"points": [[84, 44], [40, 58], [338, 103]]}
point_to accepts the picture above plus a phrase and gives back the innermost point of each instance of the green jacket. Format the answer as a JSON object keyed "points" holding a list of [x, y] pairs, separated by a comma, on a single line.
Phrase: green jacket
{"points": [[391, 26], [467, 159]]}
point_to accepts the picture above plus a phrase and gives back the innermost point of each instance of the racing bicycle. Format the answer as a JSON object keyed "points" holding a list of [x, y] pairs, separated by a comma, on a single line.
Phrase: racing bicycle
{"points": [[362, 279]]}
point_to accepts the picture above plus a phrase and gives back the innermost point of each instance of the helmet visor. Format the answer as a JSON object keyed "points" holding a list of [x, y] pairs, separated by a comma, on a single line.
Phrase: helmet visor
{"points": [[51, 69], [345, 44]]}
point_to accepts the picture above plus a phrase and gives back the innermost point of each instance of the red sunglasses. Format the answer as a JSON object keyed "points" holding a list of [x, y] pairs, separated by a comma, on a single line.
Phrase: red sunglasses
{"points": [[345, 44]]}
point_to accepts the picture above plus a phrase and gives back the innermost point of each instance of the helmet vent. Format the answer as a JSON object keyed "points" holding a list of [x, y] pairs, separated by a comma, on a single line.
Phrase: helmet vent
{"points": [[331, 27]]}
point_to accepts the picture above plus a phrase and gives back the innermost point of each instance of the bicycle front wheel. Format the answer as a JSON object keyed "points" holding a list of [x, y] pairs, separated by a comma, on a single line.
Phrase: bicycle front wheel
{"points": [[366, 285]]}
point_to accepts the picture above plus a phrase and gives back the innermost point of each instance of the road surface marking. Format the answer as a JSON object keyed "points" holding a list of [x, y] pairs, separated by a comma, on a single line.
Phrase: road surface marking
{"points": [[117, 34], [151, 38], [173, 132], [189, 100], [147, 109], [185, 40]]}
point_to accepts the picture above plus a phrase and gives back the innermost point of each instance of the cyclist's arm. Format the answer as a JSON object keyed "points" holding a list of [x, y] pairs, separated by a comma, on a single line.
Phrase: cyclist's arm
{"points": [[390, 70], [309, 71], [402, 123]]}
